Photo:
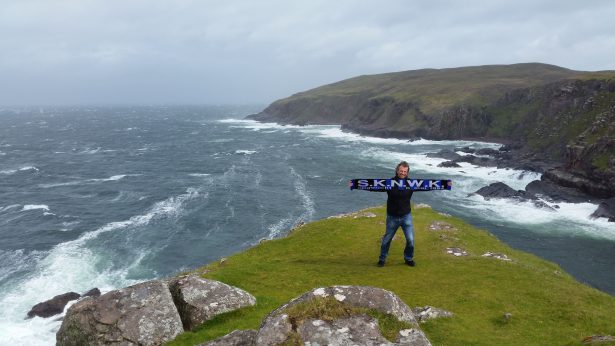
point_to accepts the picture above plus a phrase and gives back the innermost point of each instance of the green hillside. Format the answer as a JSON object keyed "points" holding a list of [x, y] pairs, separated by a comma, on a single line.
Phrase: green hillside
{"points": [[438, 89], [548, 306]]}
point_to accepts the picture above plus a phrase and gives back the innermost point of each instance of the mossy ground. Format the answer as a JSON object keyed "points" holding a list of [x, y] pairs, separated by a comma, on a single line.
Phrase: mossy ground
{"points": [[548, 306]]}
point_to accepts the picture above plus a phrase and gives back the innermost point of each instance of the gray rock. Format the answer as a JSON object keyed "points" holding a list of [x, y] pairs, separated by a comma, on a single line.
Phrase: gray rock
{"points": [[348, 331], [52, 306], [94, 292], [501, 190], [425, 313], [276, 326], [441, 226], [235, 338], [599, 340], [606, 209], [456, 251], [447, 164], [445, 154], [143, 314], [199, 300]]}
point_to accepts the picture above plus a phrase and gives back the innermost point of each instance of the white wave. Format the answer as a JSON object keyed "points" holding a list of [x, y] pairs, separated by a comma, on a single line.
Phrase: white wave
{"points": [[90, 151], [35, 206], [88, 181], [112, 178], [565, 218], [199, 174], [72, 266], [245, 152], [478, 176], [21, 169], [9, 207], [256, 125]]}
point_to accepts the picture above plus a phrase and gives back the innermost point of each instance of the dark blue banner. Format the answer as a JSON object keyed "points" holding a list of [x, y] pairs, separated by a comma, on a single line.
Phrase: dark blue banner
{"points": [[400, 184]]}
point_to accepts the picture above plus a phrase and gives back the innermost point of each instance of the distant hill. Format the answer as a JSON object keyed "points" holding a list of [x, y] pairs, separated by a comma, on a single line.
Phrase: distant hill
{"points": [[549, 112]]}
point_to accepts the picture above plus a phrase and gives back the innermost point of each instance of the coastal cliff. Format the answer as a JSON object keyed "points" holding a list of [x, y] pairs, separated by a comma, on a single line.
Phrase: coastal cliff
{"points": [[545, 113]]}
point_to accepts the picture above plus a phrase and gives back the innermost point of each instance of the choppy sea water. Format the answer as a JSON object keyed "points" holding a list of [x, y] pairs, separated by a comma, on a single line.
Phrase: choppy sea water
{"points": [[110, 196]]}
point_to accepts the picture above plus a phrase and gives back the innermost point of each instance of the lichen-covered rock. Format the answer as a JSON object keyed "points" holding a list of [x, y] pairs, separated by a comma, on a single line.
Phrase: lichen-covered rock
{"points": [[143, 314], [52, 306], [235, 338], [353, 330], [277, 325], [199, 300], [424, 313]]}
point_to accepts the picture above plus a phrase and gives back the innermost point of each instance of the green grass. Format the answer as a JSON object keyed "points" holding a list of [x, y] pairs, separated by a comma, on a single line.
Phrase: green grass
{"points": [[547, 305]]}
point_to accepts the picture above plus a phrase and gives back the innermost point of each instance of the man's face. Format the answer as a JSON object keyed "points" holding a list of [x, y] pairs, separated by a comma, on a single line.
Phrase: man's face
{"points": [[402, 172]]}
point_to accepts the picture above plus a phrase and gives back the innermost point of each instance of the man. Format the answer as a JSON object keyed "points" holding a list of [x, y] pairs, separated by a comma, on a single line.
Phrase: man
{"points": [[398, 214]]}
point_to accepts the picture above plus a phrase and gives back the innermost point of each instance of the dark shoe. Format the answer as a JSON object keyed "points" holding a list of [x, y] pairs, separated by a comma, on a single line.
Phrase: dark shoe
{"points": [[380, 264], [411, 263]]}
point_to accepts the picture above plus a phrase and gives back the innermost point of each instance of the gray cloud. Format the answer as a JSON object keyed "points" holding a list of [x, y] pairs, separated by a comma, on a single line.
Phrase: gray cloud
{"points": [[96, 51]]}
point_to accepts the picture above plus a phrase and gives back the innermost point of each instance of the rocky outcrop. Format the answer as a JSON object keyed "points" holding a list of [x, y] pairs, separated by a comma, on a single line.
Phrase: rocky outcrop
{"points": [[501, 190], [52, 306], [147, 313], [199, 300], [143, 314], [606, 209], [357, 329]]}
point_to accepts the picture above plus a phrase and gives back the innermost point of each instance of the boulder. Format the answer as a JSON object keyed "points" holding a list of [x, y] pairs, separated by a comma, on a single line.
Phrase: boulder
{"points": [[235, 338], [199, 300], [606, 209], [52, 306], [501, 190], [347, 330], [94, 292], [445, 154], [143, 314], [425, 313], [448, 164], [556, 193], [487, 151]]}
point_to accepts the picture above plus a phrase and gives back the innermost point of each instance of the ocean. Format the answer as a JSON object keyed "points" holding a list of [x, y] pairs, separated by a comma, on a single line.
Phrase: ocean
{"points": [[108, 196]]}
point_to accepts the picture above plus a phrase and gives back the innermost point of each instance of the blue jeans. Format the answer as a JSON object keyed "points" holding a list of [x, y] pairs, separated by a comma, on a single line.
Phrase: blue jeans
{"points": [[393, 223]]}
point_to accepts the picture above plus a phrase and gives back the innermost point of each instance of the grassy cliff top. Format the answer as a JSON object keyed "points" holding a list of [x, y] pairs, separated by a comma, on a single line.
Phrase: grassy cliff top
{"points": [[547, 305], [439, 89]]}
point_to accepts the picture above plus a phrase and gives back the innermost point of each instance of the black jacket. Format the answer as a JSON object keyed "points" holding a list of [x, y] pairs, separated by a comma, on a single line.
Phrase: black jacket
{"points": [[398, 201]]}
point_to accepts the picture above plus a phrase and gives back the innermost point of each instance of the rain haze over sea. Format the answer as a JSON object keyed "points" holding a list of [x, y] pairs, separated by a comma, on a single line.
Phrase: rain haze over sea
{"points": [[110, 196]]}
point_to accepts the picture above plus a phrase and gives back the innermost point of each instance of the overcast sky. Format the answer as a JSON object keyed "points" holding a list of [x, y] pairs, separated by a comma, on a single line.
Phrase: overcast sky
{"points": [[202, 52]]}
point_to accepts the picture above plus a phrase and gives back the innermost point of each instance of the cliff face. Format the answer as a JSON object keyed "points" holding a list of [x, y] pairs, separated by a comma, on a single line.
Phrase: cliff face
{"points": [[550, 113]]}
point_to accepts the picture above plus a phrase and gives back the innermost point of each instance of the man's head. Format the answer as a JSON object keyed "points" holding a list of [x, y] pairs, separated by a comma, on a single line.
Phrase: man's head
{"points": [[401, 171]]}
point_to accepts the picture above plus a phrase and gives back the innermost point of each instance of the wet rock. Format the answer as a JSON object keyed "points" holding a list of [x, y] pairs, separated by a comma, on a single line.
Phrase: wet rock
{"points": [[143, 314], [52, 306], [199, 300], [277, 325], [606, 209], [487, 151], [579, 181], [501, 190], [467, 150], [94, 292], [445, 154], [425, 313], [448, 164], [556, 193], [235, 338]]}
